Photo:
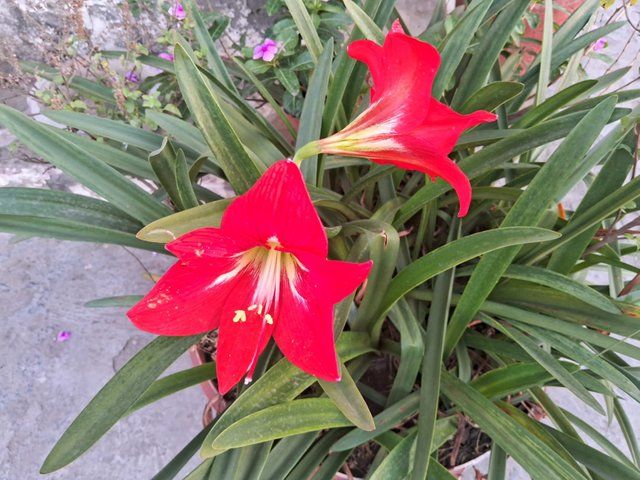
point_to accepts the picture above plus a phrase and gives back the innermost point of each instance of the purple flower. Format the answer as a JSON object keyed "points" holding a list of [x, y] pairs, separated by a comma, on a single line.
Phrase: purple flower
{"points": [[599, 45], [132, 77], [63, 336], [166, 56], [177, 11], [266, 50]]}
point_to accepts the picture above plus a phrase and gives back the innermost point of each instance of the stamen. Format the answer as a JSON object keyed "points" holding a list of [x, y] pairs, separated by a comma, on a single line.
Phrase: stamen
{"points": [[269, 319], [240, 316]]}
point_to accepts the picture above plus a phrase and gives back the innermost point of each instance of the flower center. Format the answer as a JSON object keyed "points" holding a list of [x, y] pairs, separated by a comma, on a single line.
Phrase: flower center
{"points": [[272, 269]]}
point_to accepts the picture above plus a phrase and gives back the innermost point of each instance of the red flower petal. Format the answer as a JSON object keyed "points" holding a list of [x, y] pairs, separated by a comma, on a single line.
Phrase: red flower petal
{"points": [[240, 342], [183, 302], [206, 243], [304, 328], [278, 205], [404, 125], [370, 53]]}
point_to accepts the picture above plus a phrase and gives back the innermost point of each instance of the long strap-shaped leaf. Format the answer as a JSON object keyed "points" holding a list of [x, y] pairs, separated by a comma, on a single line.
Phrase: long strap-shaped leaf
{"points": [[281, 383], [487, 52], [282, 420], [84, 167], [114, 400], [527, 210], [203, 36], [221, 138], [538, 459], [492, 157], [307, 30], [311, 117], [451, 255]]}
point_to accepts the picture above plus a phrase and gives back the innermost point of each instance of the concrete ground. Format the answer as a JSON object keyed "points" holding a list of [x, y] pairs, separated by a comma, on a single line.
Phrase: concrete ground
{"points": [[44, 383]]}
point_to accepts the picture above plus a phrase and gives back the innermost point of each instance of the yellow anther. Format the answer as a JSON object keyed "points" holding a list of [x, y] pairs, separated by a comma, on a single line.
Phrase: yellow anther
{"points": [[259, 309], [252, 308], [269, 319], [240, 316]]}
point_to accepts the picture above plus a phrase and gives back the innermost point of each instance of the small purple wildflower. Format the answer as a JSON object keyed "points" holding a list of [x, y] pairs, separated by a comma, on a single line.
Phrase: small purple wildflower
{"points": [[132, 77], [166, 56], [177, 11], [63, 336], [599, 45], [266, 50]]}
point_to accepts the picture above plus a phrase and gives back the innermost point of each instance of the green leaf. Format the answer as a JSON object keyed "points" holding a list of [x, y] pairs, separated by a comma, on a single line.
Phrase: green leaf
{"points": [[282, 420], [171, 227], [171, 469], [528, 210], [118, 159], [491, 96], [110, 302], [548, 362], [84, 86], [267, 96], [172, 172], [65, 206], [411, 351], [366, 25], [115, 130], [311, 117], [206, 43], [535, 456], [455, 253], [432, 361], [174, 383], [286, 454], [180, 130], [347, 398], [487, 52], [281, 383], [289, 80], [203, 104], [546, 52], [114, 399], [551, 279], [63, 229], [307, 30], [249, 112], [398, 463], [490, 157], [85, 168], [456, 44], [389, 418], [552, 104]]}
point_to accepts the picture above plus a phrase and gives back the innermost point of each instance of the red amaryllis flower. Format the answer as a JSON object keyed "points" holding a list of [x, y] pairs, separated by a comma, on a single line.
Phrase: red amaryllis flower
{"points": [[264, 272], [404, 125]]}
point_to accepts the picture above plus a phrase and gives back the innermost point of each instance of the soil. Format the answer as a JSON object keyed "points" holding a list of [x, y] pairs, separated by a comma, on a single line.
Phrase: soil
{"points": [[468, 443]]}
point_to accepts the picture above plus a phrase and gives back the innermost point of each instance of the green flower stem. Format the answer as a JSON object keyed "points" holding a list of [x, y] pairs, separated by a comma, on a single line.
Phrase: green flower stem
{"points": [[309, 150]]}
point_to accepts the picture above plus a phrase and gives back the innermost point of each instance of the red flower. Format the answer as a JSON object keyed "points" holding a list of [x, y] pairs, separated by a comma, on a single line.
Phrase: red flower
{"points": [[404, 125], [264, 272]]}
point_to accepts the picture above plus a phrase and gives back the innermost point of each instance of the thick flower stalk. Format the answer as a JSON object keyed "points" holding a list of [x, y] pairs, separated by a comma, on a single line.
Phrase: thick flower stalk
{"points": [[263, 273], [404, 125]]}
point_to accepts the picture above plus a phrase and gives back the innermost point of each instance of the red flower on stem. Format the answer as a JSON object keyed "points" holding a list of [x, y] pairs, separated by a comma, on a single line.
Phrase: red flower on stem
{"points": [[263, 273], [404, 125]]}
